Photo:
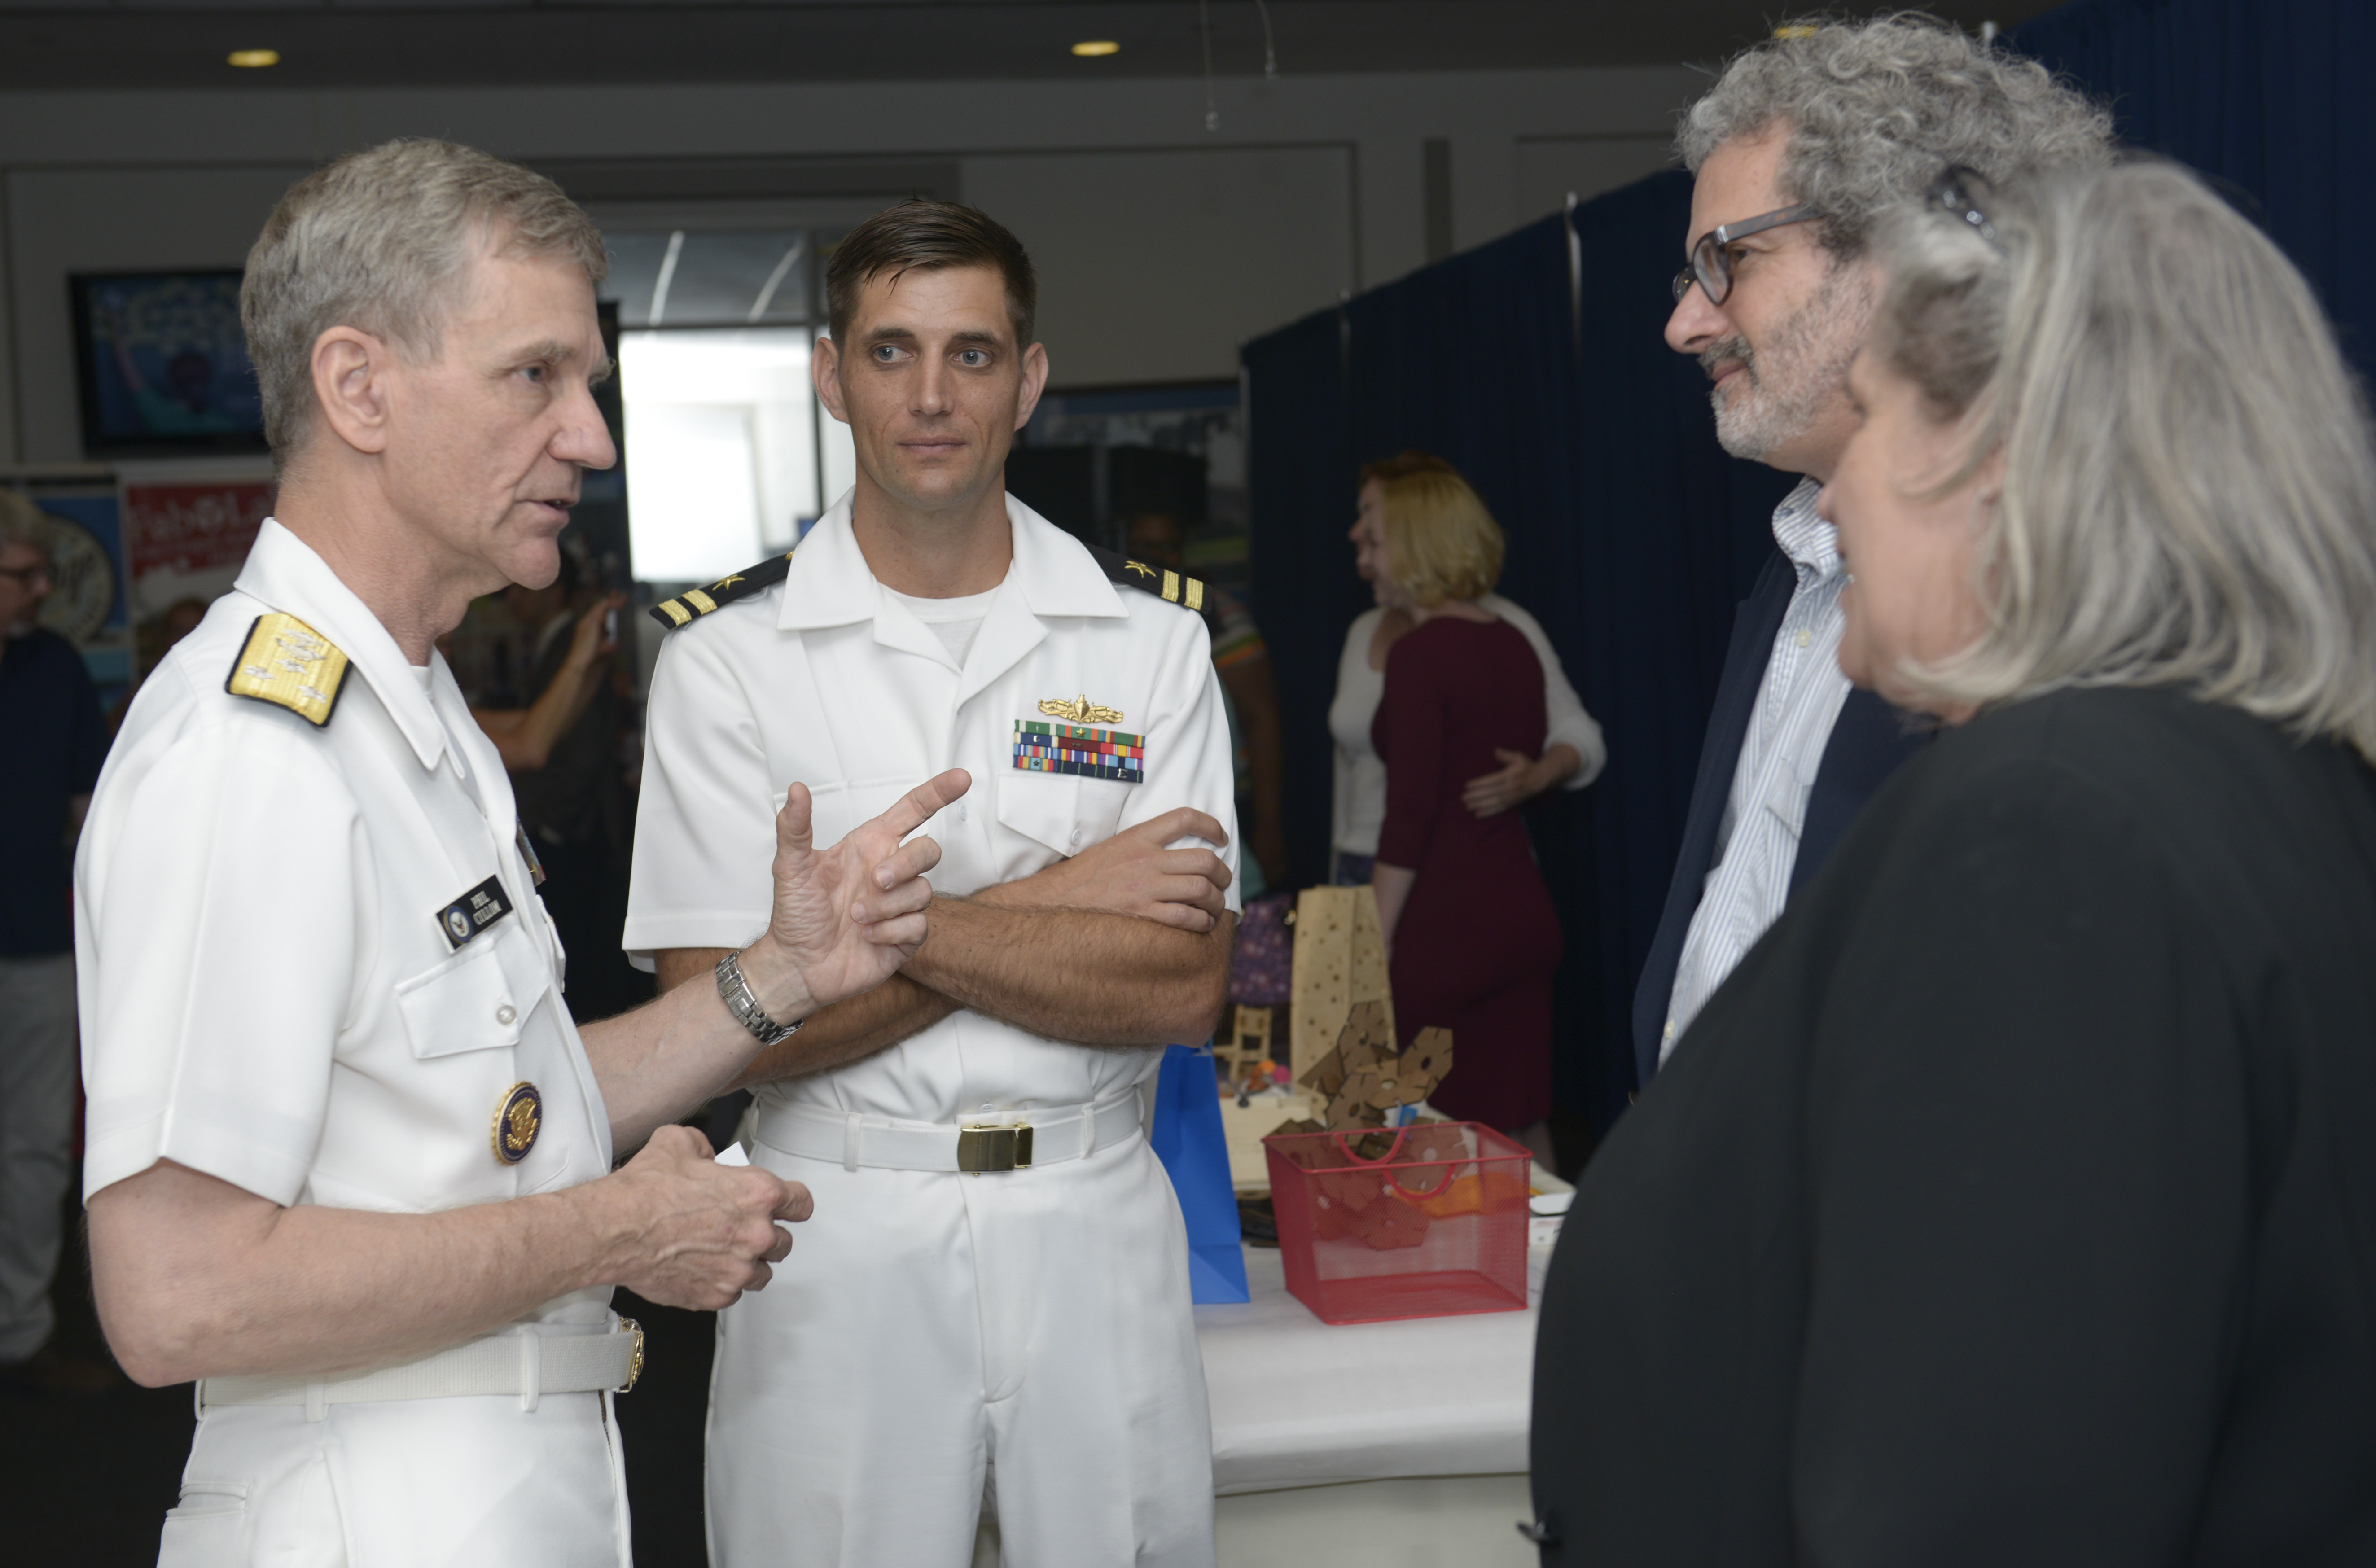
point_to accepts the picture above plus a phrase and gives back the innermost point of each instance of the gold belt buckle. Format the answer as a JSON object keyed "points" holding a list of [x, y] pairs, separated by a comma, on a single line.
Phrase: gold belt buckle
{"points": [[994, 1149], [636, 1358]]}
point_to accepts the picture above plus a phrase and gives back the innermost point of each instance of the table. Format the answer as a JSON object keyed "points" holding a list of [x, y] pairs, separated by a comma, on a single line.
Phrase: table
{"points": [[1381, 1445]]}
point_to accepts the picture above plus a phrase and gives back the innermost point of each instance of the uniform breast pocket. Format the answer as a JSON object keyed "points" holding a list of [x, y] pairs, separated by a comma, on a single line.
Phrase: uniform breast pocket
{"points": [[1064, 812], [468, 1003]]}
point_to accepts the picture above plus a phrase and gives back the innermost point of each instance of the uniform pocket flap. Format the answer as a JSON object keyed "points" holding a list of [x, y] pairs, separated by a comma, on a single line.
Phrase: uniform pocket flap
{"points": [[1044, 808], [468, 1003]]}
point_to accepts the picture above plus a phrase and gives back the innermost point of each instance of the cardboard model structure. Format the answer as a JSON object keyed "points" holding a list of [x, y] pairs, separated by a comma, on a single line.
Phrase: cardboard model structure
{"points": [[1363, 1076], [1340, 963]]}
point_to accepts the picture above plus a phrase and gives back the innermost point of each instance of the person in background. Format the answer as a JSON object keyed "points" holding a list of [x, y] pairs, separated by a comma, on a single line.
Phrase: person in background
{"points": [[1571, 758], [50, 724], [2011, 1201], [1802, 141], [1471, 936], [563, 760], [1250, 697]]}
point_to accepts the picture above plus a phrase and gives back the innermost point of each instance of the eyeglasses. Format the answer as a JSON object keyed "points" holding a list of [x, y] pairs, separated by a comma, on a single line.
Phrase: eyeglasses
{"points": [[1958, 192], [27, 574], [1711, 265]]}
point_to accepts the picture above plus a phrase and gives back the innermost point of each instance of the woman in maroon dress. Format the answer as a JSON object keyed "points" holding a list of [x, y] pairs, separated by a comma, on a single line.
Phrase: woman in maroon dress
{"points": [[1471, 937]]}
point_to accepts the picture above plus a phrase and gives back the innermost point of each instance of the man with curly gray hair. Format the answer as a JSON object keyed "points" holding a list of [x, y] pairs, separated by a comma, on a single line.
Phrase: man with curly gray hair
{"points": [[1803, 142]]}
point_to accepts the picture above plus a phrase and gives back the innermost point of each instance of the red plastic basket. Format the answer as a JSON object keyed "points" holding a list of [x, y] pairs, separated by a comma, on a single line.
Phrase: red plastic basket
{"points": [[1434, 1224]]}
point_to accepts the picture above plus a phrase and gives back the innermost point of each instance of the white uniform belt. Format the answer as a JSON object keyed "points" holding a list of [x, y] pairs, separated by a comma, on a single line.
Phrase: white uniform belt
{"points": [[526, 1365], [1001, 1140]]}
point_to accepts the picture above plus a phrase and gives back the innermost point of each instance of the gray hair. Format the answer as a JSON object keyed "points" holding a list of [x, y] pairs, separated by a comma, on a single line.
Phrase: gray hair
{"points": [[379, 240], [2189, 484], [1875, 109], [25, 524]]}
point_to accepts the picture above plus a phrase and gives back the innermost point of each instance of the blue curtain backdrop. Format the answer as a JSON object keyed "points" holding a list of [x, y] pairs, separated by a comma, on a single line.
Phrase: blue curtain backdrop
{"points": [[2270, 95], [1631, 535], [1539, 372]]}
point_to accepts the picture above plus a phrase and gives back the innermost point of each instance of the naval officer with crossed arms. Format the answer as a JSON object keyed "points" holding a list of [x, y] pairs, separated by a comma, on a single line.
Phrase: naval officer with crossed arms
{"points": [[348, 1155], [995, 1284]]}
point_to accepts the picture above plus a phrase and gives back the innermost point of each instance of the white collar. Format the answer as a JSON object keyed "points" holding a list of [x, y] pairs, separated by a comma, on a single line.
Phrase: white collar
{"points": [[830, 583], [1812, 544], [284, 572]]}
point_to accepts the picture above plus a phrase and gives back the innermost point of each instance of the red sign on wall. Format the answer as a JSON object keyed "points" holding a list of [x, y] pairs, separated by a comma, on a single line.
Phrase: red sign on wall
{"points": [[189, 528]]}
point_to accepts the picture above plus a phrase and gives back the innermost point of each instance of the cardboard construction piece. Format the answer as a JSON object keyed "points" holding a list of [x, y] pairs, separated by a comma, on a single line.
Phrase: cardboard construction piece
{"points": [[1362, 1078], [1340, 963]]}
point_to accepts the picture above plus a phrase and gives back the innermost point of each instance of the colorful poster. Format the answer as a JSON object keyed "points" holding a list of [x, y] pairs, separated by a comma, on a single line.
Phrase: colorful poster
{"points": [[187, 533]]}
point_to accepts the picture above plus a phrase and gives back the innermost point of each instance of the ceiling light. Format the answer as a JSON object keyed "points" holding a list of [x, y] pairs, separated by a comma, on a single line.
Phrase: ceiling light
{"points": [[254, 58], [1095, 46]]}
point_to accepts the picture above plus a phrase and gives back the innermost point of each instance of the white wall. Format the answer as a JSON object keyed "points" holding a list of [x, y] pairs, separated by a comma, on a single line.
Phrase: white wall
{"points": [[1160, 243], [1153, 265]]}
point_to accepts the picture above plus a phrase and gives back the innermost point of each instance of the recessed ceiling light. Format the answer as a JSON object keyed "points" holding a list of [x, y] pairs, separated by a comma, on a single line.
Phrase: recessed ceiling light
{"points": [[254, 58], [1095, 46]]}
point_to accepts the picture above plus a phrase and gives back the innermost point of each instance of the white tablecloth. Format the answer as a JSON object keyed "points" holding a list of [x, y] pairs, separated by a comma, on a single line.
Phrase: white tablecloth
{"points": [[1297, 1402]]}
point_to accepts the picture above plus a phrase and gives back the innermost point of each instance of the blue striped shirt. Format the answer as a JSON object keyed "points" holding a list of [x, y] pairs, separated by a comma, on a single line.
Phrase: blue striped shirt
{"points": [[1758, 839]]}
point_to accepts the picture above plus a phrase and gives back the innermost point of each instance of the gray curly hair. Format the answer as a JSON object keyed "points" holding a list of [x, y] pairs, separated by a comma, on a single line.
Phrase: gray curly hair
{"points": [[2189, 480], [1875, 110], [377, 241]]}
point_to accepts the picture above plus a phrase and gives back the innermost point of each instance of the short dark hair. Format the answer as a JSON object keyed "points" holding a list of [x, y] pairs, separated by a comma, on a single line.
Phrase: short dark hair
{"points": [[925, 236]]}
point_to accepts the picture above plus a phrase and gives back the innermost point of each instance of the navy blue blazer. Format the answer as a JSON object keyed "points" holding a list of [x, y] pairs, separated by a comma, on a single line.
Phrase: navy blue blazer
{"points": [[1869, 740]]}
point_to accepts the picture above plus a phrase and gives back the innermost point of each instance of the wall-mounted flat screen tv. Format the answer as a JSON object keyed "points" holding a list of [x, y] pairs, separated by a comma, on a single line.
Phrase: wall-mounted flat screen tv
{"points": [[163, 364]]}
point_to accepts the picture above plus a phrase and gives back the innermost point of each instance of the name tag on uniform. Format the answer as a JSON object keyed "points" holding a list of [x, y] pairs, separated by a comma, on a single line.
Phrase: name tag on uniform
{"points": [[1077, 749], [473, 912]]}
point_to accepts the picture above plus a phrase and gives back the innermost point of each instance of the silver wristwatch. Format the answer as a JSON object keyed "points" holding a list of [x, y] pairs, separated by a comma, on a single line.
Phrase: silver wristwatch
{"points": [[735, 992]]}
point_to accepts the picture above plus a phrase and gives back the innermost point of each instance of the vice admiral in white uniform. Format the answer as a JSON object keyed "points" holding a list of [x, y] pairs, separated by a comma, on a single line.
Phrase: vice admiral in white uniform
{"points": [[348, 1155], [997, 1279]]}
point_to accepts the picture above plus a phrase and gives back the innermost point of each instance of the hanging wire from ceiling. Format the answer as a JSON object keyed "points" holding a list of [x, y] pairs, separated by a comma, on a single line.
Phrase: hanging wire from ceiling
{"points": [[1204, 31]]}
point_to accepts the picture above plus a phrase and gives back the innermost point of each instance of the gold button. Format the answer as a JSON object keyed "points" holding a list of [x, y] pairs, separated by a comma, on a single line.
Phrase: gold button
{"points": [[505, 1014]]}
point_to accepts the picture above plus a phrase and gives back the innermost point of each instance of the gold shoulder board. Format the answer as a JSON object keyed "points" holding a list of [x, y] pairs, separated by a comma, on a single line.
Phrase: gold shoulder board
{"points": [[288, 663], [695, 602], [1169, 587]]}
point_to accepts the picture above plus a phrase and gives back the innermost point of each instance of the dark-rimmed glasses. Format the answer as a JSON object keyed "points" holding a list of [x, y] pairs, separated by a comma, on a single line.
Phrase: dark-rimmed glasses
{"points": [[1959, 192], [1711, 265], [27, 574]]}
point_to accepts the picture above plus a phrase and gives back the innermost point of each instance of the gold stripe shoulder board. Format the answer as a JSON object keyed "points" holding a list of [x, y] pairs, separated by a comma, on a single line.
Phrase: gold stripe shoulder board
{"points": [[695, 602], [290, 664], [1172, 587]]}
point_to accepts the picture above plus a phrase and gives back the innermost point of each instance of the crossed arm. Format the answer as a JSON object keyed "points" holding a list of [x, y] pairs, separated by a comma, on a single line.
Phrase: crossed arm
{"points": [[1127, 944]]}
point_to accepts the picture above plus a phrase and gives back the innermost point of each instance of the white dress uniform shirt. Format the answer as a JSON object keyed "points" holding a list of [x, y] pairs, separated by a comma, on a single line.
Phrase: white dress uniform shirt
{"points": [[1757, 839], [1360, 773], [270, 996], [930, 1325]]}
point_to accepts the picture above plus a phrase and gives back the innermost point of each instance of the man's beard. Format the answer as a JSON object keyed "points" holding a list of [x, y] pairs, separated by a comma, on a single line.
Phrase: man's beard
{"points": [[1800, 371]]}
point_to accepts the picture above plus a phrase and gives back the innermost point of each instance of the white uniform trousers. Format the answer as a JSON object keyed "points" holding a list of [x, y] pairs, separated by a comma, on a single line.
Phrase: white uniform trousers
{"points": [[404, 1483], [929, 1325]]}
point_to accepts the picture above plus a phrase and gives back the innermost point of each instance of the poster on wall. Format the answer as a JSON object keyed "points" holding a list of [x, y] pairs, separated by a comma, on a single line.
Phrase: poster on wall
{"points": [[87, 604], [187, 530]]}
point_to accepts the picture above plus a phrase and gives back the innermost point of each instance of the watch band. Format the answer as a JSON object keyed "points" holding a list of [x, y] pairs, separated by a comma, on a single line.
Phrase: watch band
{"points": [[741, 1001]]}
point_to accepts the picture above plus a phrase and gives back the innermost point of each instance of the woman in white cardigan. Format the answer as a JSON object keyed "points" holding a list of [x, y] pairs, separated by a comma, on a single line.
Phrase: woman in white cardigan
{"points": [[1573, 750]]}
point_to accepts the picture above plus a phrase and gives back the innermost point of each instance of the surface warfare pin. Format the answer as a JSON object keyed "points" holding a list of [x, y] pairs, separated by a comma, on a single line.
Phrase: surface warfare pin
{"points": [[473, 912]]}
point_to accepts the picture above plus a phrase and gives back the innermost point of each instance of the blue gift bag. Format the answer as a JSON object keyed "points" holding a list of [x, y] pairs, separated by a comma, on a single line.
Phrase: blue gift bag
{"points": [[1188, 1139]]}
